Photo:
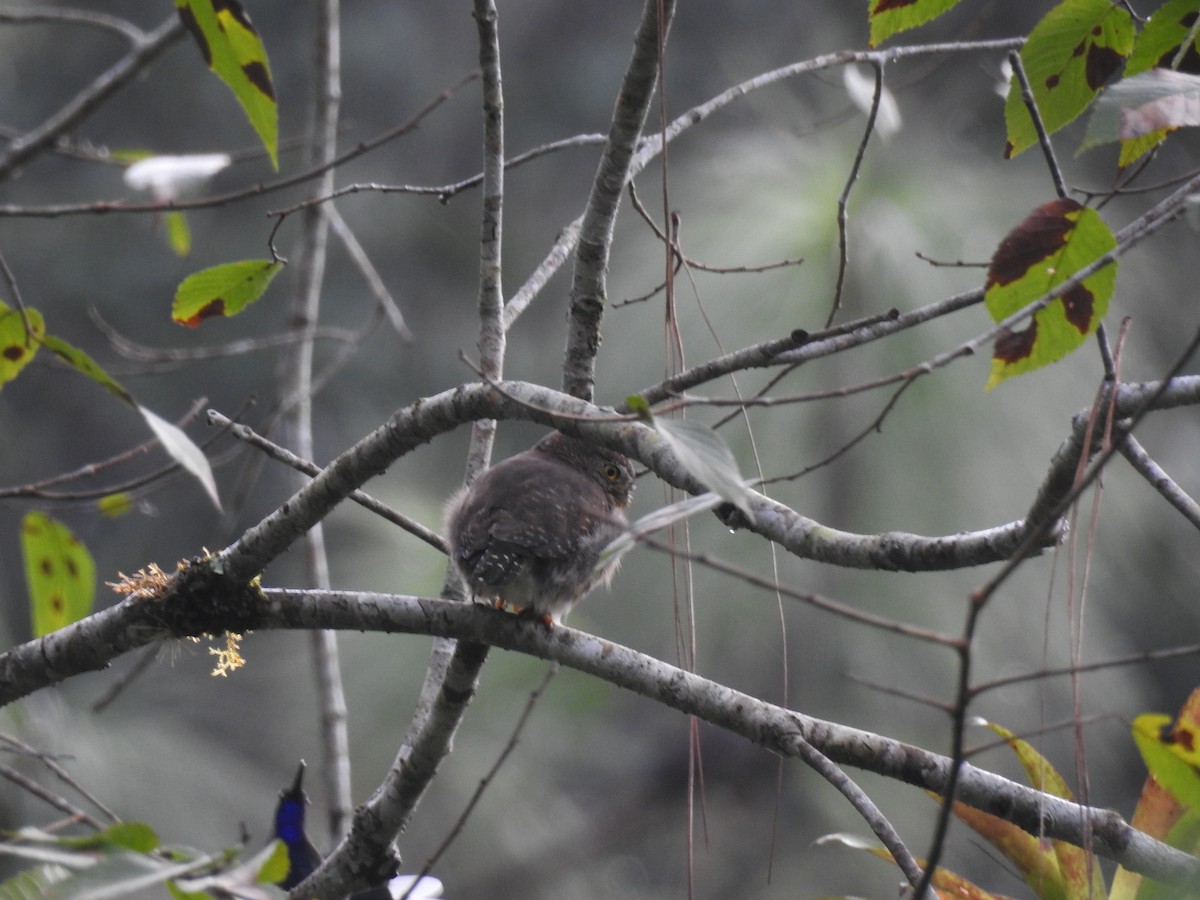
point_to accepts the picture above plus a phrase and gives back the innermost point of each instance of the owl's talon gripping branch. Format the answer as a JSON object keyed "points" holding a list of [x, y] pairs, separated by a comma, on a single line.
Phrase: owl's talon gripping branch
{"points": [[529, 532]]}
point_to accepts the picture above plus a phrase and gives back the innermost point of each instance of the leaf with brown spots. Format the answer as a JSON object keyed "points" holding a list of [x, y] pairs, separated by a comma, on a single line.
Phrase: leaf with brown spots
{"points": [[1167, 40], [1169, 751], [890, 17], [1160, 813], [234, 51], [1054, 242], [1070, 54], [223, 290], [59, 572], [19, 340]]}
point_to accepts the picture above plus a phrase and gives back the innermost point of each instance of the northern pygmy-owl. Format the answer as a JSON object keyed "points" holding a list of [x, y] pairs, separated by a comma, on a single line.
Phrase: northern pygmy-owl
{"points": [[530, 530]]}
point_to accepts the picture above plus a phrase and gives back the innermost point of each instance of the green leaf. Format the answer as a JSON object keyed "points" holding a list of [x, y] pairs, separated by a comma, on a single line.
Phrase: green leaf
{"points": [[136, 836], [37, 882], [274, 868], [85, 365], [184, 451], [707, 458], [235, 53], [179, 236], [115, 505], [126, 156], [178, 893], [17, 347], [637, 404], [1069, 55], [223, 290], [890, 17], [59, 571], [1054, 242]]}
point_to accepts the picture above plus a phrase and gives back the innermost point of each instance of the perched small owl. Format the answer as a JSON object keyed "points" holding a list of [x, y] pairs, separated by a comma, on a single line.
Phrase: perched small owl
{"points": [[530, 530]]}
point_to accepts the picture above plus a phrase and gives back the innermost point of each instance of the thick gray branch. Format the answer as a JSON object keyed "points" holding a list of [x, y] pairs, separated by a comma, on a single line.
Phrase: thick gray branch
{"points": [[188, 608], [589, 283]]}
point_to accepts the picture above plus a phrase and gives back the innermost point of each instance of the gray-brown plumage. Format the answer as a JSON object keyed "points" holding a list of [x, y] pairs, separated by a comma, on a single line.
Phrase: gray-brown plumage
{"points": [[530, 530]]}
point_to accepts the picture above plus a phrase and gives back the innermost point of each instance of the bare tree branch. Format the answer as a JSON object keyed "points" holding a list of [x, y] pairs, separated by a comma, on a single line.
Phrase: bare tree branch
{"points": [[144, 52], [136, 621], [589, 283]]}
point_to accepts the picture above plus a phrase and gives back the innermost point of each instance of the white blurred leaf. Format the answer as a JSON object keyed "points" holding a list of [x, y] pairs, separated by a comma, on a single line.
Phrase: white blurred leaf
{"points": [[184, 451], [846, 839], [171, 177], [861, 90], [707, 458], [1142, 104], [426, 888], [656, 521]]}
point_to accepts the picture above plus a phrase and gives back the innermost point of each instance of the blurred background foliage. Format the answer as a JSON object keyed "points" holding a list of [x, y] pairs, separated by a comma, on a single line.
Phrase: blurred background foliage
{"points": [[593, 803]]}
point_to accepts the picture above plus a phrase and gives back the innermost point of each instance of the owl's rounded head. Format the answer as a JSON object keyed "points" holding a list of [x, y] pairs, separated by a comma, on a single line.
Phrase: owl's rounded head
{"points": [[609, 468]]}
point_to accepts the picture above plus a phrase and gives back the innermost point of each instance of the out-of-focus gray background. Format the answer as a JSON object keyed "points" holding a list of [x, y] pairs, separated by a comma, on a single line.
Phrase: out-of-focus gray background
{"points": [[593, 802]]}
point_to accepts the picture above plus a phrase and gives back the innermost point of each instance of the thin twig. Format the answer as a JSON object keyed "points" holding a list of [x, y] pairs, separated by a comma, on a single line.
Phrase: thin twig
{"points": [[106, 207], [60, 803], [50, 763], [1060, 185], [816, 600], [63, 16], [145, 50], [363, 499], [844, 198], [865, 807], [490, 776], [1145, 466], [369, 273]]}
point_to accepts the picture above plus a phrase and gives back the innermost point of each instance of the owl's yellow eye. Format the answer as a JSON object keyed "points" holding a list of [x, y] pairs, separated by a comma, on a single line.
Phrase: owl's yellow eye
{"points": [[611, 472]]}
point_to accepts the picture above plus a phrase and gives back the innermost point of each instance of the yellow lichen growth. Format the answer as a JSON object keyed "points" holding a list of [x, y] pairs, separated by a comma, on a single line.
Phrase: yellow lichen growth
{"points": [[230, 658], [144, 584]]}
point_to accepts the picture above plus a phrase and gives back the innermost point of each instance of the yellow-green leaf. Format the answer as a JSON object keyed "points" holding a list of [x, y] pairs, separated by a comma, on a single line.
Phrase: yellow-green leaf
{"points": [[235, 52], [115, 505], [85, 365], [1054, 242], [945, 883], [1171, 754], [18, 341], [59, 571], [179, 236], [136, 836], [1041, 774], [1038, 864], [1073, 863], [1070, 54], [275, 868], [890, 17], [223, 290]]}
